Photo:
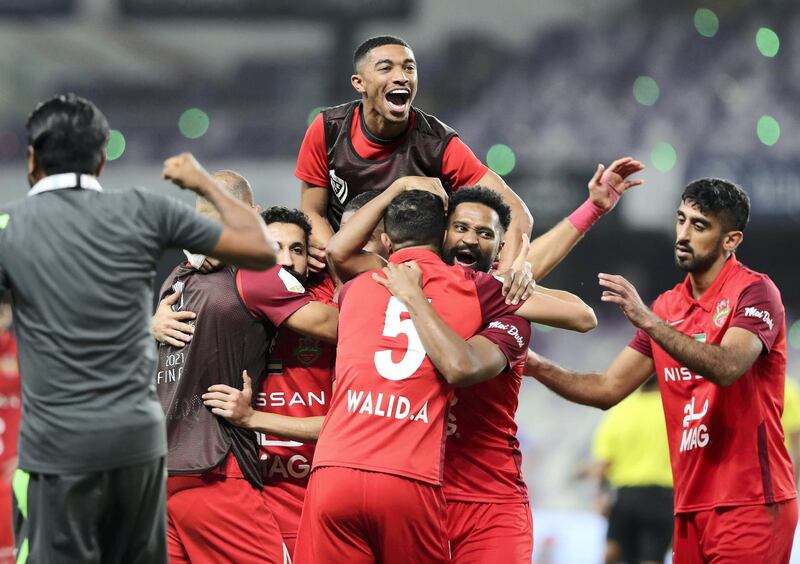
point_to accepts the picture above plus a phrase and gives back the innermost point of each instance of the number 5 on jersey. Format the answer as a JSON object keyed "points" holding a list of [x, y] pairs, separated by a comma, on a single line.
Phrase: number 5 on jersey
{"points": [[415, 353]]}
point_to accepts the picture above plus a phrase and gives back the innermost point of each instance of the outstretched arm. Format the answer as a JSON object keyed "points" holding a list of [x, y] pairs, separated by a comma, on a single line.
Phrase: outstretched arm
{"points": [[628, 371], [723, 364], [558, 308], [236, 407], [605, 189]]}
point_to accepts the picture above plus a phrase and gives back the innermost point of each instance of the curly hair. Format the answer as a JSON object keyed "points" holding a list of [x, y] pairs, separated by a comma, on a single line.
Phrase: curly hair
{"points": [[722, 198], [282, 214], [481, 195]]}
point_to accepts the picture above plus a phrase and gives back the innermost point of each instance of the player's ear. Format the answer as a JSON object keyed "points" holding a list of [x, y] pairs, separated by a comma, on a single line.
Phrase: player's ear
{"points": [[732, 240], [99, 170], [386, 242], [358, 83]]}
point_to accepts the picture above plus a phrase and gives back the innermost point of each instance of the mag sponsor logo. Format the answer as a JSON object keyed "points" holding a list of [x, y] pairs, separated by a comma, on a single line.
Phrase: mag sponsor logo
{"points": [[284, 466], [390, 406], [694, 435]]}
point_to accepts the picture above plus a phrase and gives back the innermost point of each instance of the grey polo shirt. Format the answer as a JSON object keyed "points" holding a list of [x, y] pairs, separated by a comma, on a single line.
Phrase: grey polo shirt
{"points": [[80, 263]]}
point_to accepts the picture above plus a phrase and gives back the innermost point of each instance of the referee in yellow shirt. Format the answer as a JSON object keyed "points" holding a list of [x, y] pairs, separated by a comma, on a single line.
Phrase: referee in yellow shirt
{"points": [[631, 447]]}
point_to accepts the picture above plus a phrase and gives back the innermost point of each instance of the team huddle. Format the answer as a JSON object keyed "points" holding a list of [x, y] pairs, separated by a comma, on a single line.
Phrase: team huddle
{"points": [[340, 381]]}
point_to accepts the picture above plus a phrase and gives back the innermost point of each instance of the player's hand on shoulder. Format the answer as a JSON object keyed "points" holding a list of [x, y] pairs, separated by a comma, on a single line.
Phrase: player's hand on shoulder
{"points": [[231, 404], [210, 264], [169, 326], [185, 171], [518, 282], [424, 183], [404, 280], [608, 184]]}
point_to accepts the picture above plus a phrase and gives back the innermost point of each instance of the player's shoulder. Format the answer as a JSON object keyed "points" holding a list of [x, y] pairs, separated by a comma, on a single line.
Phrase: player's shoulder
{"points": [[744, 277], [429, 124], [337, 113], [322, 288]]}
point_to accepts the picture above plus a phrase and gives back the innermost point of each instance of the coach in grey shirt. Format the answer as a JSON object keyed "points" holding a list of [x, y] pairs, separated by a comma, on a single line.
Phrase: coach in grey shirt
{"points": [[80, 264]]}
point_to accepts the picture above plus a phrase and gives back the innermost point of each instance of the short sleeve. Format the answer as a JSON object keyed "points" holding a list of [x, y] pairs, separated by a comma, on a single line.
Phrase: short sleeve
{"points": [[511, 334], [312, 160], [490, 296], [760, 311], [460, 166], [272, 295], [641, 343], [179, 225]]}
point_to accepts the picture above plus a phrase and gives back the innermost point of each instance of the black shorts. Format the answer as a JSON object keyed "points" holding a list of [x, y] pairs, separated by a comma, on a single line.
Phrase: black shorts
{"points": [[114, 516], [641, 521]]}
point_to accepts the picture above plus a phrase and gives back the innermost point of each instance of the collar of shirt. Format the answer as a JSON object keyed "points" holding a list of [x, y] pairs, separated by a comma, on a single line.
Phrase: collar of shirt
{"points": [[65, 181], [414, 253], [709, 298]]}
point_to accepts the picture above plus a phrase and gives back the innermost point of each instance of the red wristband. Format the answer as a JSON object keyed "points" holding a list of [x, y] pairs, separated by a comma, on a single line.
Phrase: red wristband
{"points": [[585, 216]]}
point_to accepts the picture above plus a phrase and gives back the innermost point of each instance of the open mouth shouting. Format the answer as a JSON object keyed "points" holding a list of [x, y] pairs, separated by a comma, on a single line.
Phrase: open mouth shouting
{"points": [[466, 257], [398, 101]]}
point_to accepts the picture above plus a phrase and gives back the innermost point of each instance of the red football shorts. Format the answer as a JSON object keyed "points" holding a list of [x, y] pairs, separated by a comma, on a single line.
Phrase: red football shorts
{"points": [[750, 533], [213, 519], [286, 503], [6, 526], [487, 533], [358, 517]]}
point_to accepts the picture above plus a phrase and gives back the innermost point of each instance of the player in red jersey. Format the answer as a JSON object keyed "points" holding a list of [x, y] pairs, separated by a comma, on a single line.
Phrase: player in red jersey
{"points": [[9, 427], [488, 508], [367, 144], [385, 429], [717, 343]]}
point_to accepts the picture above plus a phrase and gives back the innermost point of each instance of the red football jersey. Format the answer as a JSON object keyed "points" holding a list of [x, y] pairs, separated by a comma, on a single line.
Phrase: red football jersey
{"points": [[298, 384], [726, 444], [482, 460], [9, 397], [389, 408]]}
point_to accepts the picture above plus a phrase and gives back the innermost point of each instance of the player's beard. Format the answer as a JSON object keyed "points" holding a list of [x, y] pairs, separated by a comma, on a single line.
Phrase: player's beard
{"points": [[302, 278], [695, 263]]}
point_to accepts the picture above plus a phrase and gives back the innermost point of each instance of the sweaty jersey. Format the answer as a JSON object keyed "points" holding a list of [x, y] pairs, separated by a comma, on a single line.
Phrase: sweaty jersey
{"points": [[237, 312], [299, 383], [339, 153], [389, 409], [482, 457], [726, 443]]}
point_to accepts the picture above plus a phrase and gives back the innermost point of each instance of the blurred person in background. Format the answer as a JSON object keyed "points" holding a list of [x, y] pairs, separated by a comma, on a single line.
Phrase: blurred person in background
{"points": [[717, 343], [80, 262], [631, 453], [9, 426], [369, 143], [791, 421]]}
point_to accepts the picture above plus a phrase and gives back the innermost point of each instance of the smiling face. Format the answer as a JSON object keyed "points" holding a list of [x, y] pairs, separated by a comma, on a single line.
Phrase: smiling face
{"points": [[387, 82], [474, 236]]}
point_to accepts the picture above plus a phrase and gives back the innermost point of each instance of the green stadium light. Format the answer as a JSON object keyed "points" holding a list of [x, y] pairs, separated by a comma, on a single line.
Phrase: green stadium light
{"points": [[767, 42], [115, 146], [794, 335], [542, 328], [314, 113], [706, 22], [501, 159], [663, 156], [193, 123], [645, 90], [768, 130]]}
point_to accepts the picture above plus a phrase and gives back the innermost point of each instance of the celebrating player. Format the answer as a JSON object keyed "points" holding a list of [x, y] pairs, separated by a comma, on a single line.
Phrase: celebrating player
{"points": [[369, 143], [718, 346]]}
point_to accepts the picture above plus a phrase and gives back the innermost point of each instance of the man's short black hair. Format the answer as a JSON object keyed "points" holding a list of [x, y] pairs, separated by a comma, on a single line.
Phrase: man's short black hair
{"points": [[282, 214], [372, 43], [481, 195], [415, 218], [361, 200], [722, 198], [68, 134]]}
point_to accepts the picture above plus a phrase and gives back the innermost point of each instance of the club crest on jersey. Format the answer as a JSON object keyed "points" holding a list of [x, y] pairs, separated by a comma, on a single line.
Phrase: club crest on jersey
{"points": [[307, 351], [338, 185], [722, 312]]}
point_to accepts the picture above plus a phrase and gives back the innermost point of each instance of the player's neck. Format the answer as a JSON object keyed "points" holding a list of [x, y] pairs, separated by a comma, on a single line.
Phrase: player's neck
{"points": [[380, 127], [702, 281]]}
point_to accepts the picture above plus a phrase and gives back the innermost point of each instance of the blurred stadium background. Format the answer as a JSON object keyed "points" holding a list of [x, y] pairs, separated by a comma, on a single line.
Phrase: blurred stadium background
{"points": [[542, 91]]}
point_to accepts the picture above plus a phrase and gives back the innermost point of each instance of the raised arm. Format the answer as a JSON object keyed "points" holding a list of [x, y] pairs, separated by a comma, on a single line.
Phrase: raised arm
{"points": [[460, 362], [345, 249], [605, 189], [244, 240], [628, 371], [314, 203], [236, 406]]}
